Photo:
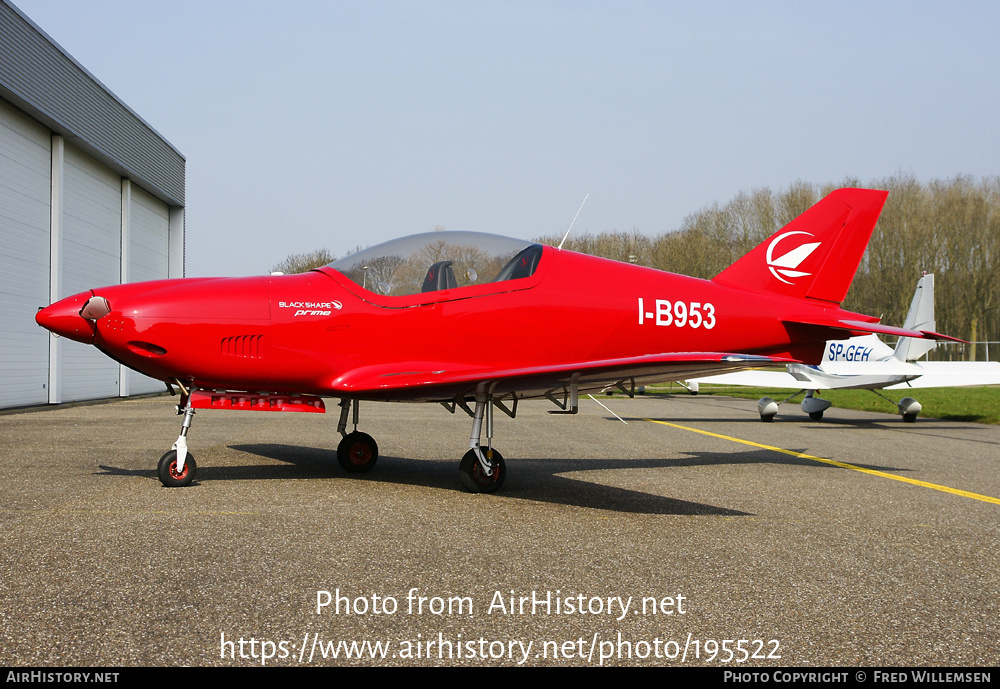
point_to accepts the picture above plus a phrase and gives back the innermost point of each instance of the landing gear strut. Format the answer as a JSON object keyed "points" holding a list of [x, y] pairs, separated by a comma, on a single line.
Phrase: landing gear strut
{"points": [[908, 407], [357, 451]]}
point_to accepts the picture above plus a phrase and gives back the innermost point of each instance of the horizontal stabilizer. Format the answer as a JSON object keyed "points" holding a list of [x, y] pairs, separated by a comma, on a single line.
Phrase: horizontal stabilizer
{"points": [[855, 327]]}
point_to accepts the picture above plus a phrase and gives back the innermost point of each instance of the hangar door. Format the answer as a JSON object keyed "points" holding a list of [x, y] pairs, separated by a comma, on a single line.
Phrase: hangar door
{"points": [[25, 160], [91, 248], [148, 253]]}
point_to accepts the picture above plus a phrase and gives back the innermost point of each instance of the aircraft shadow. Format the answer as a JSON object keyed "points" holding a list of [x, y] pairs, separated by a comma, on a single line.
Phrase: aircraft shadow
{"points": [[537, 479], [528, 479]]}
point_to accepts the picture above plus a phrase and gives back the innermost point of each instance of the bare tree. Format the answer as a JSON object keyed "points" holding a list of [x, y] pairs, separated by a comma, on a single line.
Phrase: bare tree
{"points": [[302, 263]]}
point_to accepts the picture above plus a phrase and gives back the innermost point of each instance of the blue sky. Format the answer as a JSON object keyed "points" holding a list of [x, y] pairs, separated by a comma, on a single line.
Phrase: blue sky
{"points": [[336, 124]]}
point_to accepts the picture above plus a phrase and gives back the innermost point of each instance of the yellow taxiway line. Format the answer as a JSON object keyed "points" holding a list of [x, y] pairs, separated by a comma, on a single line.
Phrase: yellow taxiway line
{"points": [[842, 465]]}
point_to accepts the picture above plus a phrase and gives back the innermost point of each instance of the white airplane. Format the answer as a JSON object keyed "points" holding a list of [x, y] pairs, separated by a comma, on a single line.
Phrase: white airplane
{"points": [[867, 363]]}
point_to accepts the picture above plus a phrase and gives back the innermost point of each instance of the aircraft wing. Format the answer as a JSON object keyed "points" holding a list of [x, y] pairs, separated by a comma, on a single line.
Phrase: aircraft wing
{"points": [[831, 376], [953, 374], [760, 379], [889, 375], [436, 381]]}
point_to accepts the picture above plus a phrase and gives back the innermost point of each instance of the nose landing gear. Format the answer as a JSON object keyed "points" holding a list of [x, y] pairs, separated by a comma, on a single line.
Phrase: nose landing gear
{"points": [[177, 467]]}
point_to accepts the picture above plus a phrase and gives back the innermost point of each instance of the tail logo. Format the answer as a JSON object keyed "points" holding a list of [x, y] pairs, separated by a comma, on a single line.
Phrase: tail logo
{"points": [[786, 265]]}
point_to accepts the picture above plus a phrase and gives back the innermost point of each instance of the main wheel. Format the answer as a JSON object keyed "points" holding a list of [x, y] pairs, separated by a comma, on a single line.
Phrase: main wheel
{"points": [[767, 408], [167, 470], [910, 418], [470, 472], [815, 415], [357, 452]]}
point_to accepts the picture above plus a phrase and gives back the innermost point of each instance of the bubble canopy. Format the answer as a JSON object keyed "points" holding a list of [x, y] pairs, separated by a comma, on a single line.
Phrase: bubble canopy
{"points": [[435, 261]]}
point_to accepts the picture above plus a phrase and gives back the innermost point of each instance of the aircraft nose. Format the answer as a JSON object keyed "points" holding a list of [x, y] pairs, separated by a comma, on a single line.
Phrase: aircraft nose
{"points": [[74, 317]]}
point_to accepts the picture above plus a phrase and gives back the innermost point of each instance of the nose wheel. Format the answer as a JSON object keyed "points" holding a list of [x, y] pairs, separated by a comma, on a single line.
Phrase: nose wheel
{"points": [[170, 476]]}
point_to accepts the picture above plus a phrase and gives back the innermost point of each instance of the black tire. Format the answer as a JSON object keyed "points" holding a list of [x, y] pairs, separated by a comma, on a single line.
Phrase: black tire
{"points": [[815, 415], [357, 452], [766, 419], [167, 470], [470, 472], [910, 418]]}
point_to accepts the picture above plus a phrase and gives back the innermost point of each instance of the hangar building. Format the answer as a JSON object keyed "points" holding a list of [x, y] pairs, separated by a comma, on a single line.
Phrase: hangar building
{"points": [[90, 195]]}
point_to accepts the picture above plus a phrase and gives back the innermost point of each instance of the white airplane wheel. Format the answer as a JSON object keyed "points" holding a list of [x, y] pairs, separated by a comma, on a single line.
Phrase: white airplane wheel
{"points": [[357, 452], [909, 408], [167, 470], [767, 408], [470, 472]]}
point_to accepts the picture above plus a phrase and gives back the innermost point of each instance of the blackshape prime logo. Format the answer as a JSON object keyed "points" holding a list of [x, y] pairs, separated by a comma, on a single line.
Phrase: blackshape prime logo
{"points": [[787, 263]]}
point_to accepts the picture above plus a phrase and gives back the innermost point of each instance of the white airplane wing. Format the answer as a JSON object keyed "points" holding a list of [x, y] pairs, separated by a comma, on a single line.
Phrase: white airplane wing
{"points": [[760, 379], [953, 374]]}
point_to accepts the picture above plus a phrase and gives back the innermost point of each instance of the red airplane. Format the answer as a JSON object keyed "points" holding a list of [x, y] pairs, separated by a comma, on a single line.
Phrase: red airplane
{"points": [[476, 321]]}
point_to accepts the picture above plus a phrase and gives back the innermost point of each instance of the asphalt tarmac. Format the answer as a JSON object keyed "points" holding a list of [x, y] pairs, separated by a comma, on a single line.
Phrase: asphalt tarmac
{"points": [[717, 540]]}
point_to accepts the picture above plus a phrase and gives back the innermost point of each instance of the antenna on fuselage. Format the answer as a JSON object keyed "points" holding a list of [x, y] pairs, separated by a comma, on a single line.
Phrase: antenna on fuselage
{"points": [[574, 220]]}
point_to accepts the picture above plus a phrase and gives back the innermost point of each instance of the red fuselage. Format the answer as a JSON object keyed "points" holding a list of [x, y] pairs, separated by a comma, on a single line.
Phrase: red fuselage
{"points": [[314, 332]]}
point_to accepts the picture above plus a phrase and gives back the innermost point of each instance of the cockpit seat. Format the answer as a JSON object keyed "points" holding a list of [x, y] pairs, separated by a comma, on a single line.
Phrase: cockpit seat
{"points": [[439, 276], [522, 265]]}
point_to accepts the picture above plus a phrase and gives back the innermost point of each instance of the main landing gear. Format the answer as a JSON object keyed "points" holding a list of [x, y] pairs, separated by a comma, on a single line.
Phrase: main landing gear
{"points": [[482, 469], [357, 451], [814, 406]]}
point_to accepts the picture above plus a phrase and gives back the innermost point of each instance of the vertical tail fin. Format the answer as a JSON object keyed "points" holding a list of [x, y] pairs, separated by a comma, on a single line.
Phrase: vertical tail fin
{"points": [[815, 255], [920, 317]]}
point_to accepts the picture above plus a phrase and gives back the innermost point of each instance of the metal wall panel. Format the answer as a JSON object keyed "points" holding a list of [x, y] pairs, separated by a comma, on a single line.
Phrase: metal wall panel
{"points": [[149, 246], [25, 160], [148, 253], [91, 249]]}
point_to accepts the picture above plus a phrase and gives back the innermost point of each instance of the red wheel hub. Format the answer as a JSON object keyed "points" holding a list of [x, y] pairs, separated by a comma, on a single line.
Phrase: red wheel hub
{"points": [[360, 453]]}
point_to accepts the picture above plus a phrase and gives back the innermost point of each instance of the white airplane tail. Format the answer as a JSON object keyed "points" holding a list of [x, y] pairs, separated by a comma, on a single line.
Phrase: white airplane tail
{"points": [[920, 317]]}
